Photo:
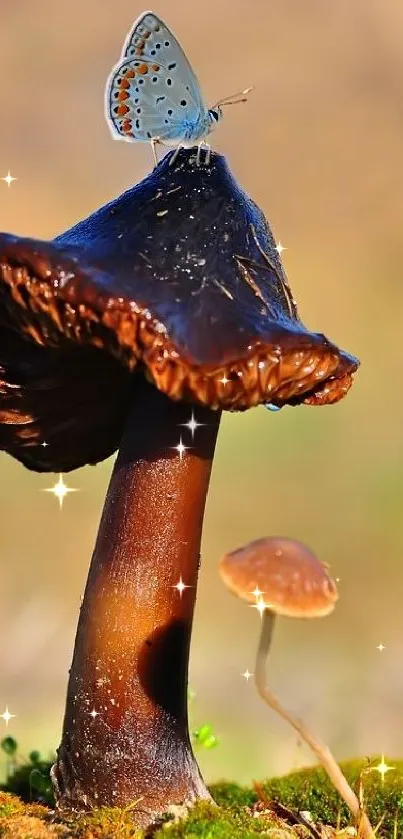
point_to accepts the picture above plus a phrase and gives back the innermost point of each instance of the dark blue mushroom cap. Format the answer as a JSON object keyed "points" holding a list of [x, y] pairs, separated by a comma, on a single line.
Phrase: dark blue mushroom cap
{"points": [[179, 280]]}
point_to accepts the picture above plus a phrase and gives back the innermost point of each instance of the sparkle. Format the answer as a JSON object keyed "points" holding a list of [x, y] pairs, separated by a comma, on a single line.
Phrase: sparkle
{"points": [[7, 716], [380, 647], [9, 179], [44, 444], [261, 606], [192, 425], [60, 490], [247, 675], [180, 586], [256, 592], [337, 579], [383, 768], [94, 714], [180, 448], [279, 248], [224, 380]]}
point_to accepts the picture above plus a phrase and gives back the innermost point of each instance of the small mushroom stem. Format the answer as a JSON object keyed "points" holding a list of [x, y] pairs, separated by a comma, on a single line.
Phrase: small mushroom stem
{"points": [[125, 731], [321, 751]]}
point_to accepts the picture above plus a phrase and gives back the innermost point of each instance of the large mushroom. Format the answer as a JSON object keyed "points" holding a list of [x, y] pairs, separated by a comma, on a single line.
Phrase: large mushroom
{"points": [[169, 302]]}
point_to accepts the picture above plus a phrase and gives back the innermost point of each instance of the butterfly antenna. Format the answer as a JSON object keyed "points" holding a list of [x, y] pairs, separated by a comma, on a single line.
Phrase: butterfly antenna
{"points": [[235, 98]]}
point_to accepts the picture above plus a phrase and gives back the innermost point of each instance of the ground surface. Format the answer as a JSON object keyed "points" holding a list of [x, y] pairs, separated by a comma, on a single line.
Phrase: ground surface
{"points": [[302, 804]]}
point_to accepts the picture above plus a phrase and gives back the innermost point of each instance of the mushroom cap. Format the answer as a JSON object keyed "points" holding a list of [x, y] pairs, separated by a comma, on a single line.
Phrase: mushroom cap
{"points": [[293, 582], [177, 279]]}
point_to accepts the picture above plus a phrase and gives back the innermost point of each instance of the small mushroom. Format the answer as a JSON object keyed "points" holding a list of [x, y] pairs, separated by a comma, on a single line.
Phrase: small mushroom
{"points": [[282, 576], [163, 308]]}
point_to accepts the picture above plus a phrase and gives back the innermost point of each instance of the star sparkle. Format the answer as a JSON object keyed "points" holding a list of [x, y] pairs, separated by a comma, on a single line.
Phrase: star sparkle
{"points": [[247, 675], [7, 716], [60, 490], [224, 380], [383, 768], [257, 593], [380, 647], [9, 179], [261, 606], [180, 448], [279, 248], [180, 586], [94, 714], [192, 425]]}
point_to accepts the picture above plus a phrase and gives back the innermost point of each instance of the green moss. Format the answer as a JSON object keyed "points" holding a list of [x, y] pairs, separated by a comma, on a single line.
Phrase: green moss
{"points": [[310, 789], [232, 795], [26, 821], [10, 805], [107, 823], [243, 813], [204, 821]]}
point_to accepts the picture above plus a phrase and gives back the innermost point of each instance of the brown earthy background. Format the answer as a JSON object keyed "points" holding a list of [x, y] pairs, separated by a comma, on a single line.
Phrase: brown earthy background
{"points": [[319, 146]]}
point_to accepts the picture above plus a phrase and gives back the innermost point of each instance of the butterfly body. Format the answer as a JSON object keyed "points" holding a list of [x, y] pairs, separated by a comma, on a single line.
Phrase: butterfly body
{"points": [[153, 95], [190, 132]]}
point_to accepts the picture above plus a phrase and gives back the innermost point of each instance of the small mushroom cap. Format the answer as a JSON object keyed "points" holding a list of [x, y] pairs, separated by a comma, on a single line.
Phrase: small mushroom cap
{"points": [[177, 280], [293, 582]]}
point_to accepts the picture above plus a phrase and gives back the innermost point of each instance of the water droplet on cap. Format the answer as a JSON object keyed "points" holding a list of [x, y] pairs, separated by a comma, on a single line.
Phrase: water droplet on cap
{"points": [[271, 407]]}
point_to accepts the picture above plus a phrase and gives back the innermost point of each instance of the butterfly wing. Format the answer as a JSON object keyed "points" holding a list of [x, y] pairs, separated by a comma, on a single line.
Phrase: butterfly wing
{"points": [[149, 38], [153, 91]]}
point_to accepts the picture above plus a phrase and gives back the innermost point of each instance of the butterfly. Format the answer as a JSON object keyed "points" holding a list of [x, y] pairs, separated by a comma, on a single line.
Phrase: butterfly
{"points": [[152, 94]]}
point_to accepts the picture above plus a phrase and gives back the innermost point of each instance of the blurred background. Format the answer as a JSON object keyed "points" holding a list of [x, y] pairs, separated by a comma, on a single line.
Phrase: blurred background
{"points": [[319, 148]]}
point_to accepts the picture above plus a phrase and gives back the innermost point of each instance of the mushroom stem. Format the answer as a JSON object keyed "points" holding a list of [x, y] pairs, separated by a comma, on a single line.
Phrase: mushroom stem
{"points": [[321, 751], [125, 733]]}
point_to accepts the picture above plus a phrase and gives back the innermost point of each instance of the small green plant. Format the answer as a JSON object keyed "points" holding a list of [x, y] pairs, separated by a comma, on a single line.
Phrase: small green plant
{"points": [[9, 746], [204, 736], [40, 783], [27, 777]]}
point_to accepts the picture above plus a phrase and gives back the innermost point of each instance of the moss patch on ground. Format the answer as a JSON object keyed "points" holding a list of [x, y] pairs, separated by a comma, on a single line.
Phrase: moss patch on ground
{"points": [[302, 804]]}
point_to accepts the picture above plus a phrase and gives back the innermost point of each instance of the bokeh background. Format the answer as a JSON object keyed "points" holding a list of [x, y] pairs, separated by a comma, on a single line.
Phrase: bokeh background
{"points": [[319, 147]]}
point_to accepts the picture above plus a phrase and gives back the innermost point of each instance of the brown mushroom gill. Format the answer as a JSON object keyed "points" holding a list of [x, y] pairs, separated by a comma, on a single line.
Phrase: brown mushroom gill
{"points": [[168, 300]]}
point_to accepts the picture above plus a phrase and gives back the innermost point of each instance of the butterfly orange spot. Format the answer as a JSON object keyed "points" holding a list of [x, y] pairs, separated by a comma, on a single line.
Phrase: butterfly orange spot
{"points": [[123, 94], [125, 84], [130, 74], [122, 110], [143, 69], [127, 126], [155, 67]]}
